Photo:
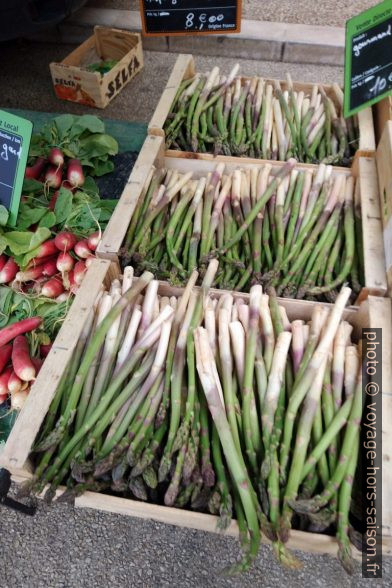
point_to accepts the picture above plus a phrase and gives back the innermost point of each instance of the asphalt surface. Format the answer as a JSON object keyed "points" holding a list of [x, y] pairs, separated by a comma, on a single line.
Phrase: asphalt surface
{"points": [[26, 83], [327, 12], [67, 548]]}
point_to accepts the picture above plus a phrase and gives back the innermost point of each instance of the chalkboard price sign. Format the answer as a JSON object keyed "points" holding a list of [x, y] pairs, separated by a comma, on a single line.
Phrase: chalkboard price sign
{"points": [[190, 17], [368, 64], [15, 135]]}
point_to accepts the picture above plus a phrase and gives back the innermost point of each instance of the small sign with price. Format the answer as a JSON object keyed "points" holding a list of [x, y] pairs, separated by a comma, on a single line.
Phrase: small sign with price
{"points": [[368, 63], [190, 17], [15, 135]]}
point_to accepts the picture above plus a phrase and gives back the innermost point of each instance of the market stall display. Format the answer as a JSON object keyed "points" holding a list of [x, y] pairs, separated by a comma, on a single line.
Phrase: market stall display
{"points": [[132, 434], [256, 117], [266, 222]]}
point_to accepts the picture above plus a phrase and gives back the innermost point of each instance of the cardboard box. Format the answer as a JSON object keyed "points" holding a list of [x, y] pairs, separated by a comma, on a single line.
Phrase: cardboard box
{"points": [[73, 81]]}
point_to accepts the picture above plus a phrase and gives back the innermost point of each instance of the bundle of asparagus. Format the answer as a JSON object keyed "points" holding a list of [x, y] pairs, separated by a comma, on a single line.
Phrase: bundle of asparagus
{"points": [[222, 405], [230, 115], [297, 230]]}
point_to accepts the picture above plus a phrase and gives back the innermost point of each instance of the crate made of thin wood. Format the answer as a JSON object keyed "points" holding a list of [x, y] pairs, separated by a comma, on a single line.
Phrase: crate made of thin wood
{"points": [[184, 69], [384, 168], [374, 312], [382, 113], [73, 81], [29, 420], [153, 155]]}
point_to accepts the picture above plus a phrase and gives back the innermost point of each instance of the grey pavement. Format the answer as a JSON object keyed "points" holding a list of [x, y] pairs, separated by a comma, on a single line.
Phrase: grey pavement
{"points": [[62, 547], [325, 12], [26, 64], [65, 548]]}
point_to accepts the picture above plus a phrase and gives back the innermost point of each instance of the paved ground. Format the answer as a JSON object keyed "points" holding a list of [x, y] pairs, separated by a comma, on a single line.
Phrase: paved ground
{"points": [[64, 548], [31, 85], [326, 12]]}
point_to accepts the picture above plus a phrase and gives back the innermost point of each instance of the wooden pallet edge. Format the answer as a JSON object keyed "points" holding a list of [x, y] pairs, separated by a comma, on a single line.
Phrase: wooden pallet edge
{"points": [[24, 432], [367, 137], [184, 68], [246, 161], [382, 112], [373, 244], [115, 232]]}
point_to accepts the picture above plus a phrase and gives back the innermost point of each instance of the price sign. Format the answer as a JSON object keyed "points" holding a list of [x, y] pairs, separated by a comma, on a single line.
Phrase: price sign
{"points": [[368, 64], [190, 17], [15, 135]]}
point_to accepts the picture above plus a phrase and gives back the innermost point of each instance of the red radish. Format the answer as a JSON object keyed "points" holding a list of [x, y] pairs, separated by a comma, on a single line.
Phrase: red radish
{"points": [[24, 326], [53, 176], [38, 363], [75, 173], [3, 261], [88, 261], [65, 262], [29, 275], [37, 261], [53, 200], [35, 170], [65, 241], [14, 383], [4, 378], [82, 249], [18, 399], [94, 240], [3, 398], [5, 355], [46, 249], [21, 361], [56, 156], [9, 271], [44, 349], [68, 186], [52, 288], [79, 271], [63, 297], [50, 268]]}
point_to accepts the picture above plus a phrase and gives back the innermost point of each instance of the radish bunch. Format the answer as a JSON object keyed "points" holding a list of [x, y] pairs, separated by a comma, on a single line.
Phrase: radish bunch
{"points": [[18, 369], [57, 269], [55, 171]]}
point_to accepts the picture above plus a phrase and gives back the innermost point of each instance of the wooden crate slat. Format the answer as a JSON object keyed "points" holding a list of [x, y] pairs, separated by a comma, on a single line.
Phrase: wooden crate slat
{"points": [[384, 169], [134, 189], [373, 246], [382, 114], [184, 68]]}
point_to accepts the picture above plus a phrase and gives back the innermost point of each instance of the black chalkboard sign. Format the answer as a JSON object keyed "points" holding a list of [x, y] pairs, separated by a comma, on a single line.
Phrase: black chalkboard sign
{"points": [[190, 17], [15, 134], [368, 67], [10, 150]]}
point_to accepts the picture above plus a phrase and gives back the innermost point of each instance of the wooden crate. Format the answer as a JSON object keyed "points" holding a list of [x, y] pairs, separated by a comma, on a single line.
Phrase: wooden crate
{"points": [[153, 154], [374, 312], [382, 112], [184, 69], [384, 168], [72, 81], [26, 427]]}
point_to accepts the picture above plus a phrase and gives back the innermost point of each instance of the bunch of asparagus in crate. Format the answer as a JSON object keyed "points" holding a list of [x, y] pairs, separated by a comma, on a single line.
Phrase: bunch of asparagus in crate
{"points": [[215, 404], [253, 117], [295, 229]]}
